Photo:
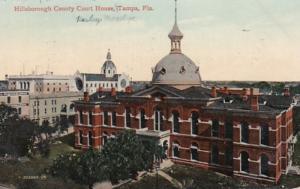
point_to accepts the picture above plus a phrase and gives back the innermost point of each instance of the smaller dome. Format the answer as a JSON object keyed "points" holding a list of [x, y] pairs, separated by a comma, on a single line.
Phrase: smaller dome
{"points": [[108, 64], [175, 32]]}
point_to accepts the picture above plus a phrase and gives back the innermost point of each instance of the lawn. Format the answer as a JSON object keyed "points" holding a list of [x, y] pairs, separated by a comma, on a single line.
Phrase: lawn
{"points": [[17, 173], [296, 155], [149, 182]]}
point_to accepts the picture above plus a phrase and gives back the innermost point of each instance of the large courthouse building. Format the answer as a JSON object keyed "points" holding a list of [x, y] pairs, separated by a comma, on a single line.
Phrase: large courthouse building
{"points": [[238, 132]]}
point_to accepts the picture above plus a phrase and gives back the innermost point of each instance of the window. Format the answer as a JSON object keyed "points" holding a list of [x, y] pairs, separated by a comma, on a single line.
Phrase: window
{"points": [[8, 100], [195, 123], [176, 124], [45, 110], [91, 118], [194, 152], [215, 154], [80, 117], [245, 162], [176, 152], [264, 165], [215, 128], [228, 156], [90, 138], [80, 137], [264, 134], [45, 102], [105, 118], [114, 118], [104, 138], [244, 132], [20, 99], [158, 122], [228, 129], [128, 117], [19, 111], [48, 89], [142, 119]]}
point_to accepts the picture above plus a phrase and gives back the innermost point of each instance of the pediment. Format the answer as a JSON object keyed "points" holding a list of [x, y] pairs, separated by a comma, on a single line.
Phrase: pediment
{"points": [[158, 91]]}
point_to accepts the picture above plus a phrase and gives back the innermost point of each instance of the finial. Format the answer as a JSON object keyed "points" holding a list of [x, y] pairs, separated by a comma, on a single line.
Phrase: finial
{"points": [[108, 56]]}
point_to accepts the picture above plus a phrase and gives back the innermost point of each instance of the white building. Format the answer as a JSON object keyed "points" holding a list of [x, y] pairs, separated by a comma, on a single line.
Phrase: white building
{"points": [[107, 79], [49, 96], [16, 99]]}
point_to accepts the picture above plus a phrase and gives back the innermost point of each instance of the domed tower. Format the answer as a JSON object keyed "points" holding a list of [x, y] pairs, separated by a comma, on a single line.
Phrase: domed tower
{"points": [[108, 68], [176, 69]]}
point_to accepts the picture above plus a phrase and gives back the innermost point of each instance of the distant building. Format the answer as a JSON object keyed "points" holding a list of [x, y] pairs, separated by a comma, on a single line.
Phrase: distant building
{"points": [[16, 99], [49, 96], [234, 131], [107, 79], [3, 85]]}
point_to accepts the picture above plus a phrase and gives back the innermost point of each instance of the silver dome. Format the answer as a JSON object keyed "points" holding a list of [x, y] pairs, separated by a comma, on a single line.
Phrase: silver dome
{"points": [[176, 69]]}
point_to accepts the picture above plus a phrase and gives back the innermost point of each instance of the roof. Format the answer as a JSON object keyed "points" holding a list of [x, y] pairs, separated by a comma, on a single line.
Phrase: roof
{"points": [[100, 77]]}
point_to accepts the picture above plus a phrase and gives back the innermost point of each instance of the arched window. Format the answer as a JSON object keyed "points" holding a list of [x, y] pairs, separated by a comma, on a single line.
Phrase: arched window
{"points": [[195, 123], [228, 156], [215, 154], [105, 118], [244, 162], [176, 124], [244, 132], [114, 118], [228, 129], [194, 152], [176, 152], [90, 138], [215, 128], [158, 122], [142, 119], [127, 117], [264, 165], [264, 134]]}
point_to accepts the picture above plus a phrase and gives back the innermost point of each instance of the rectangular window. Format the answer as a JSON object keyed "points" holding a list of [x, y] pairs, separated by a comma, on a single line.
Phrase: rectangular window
{"points": [[114, 118], [20, 99], [228, 129], [8, 100], [128, 117], [45, 111], [105, 118], [80, 117], [215, 128], [45, 102], [80, 137], [19, 111], [91, 118]]}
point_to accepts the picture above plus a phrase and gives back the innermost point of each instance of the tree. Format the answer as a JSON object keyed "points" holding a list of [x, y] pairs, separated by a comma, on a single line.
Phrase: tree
{"points": [[84, 168], [126, 155]]}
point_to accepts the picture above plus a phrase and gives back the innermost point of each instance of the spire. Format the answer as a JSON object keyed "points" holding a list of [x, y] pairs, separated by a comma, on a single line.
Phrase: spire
{"points": [[175, 11], [175, 35], [108, 56]]}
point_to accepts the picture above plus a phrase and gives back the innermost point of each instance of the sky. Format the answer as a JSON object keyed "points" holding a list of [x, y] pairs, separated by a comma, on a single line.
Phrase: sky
{"points": [[228, 39]]}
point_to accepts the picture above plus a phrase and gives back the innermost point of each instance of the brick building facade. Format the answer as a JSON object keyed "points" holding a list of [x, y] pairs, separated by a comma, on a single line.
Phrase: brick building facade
{"points": [[234, 131]]}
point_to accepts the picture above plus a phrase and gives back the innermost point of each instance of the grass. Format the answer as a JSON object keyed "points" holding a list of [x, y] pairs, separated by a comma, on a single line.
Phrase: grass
{"points": [[296, 155], [17, 173], [148, 182]]}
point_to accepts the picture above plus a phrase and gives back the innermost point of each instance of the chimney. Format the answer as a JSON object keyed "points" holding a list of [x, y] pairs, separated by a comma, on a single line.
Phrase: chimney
{"points": [[100, 90], [214, 92], [128, 89], [86, 96], [226, 90], [253, 100], [286, 92], [113, 91]]}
